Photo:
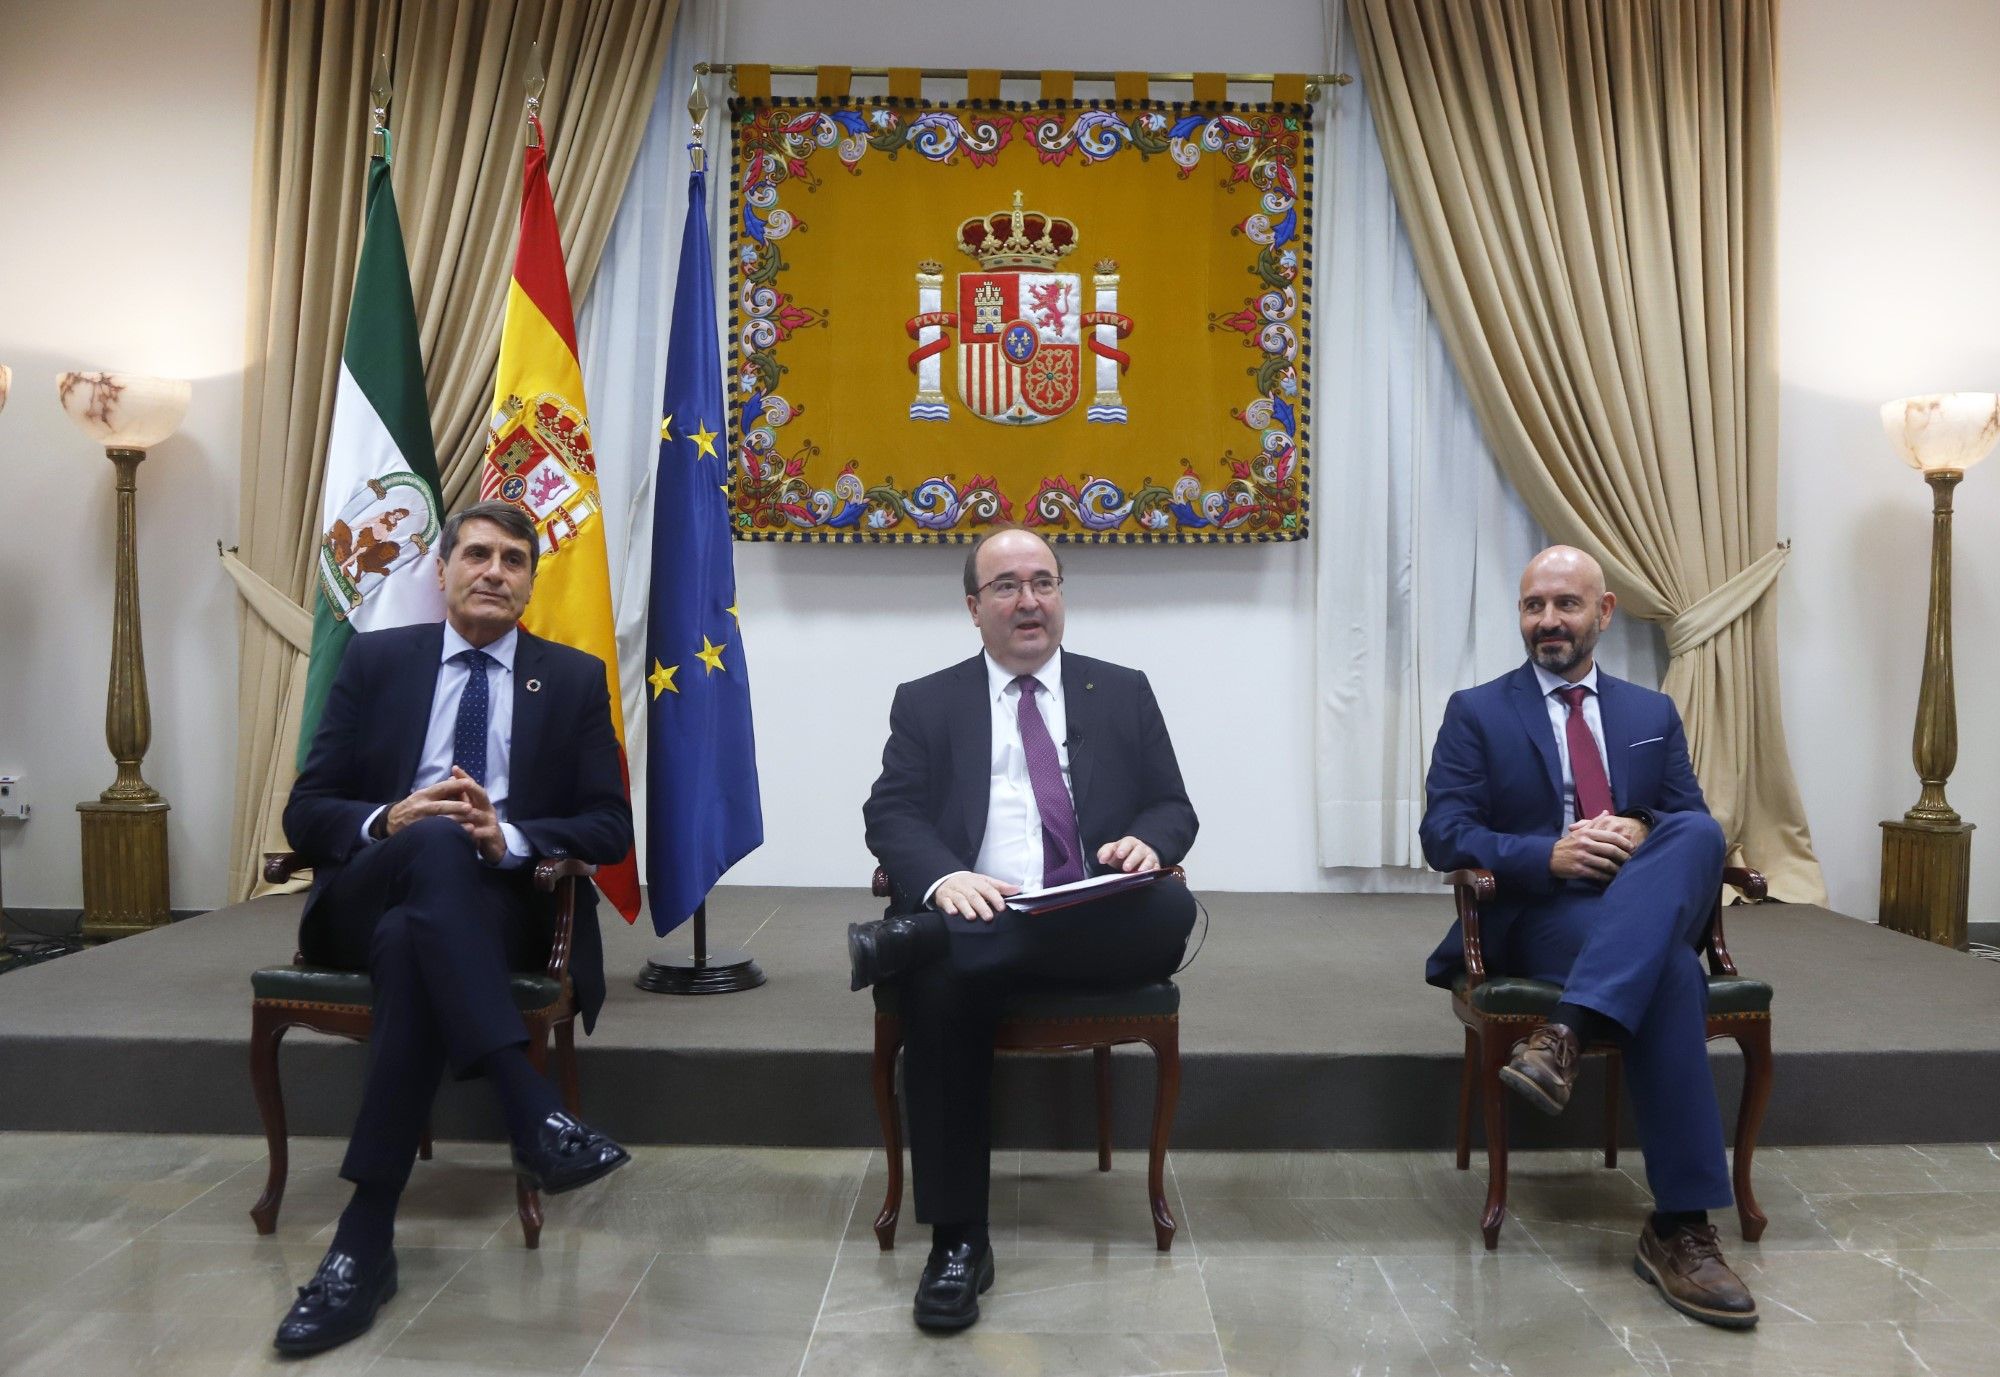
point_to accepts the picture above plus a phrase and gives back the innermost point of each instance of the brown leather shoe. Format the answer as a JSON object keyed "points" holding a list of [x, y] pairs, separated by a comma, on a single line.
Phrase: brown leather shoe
{"points": [[1544, 1067], [1688, 1268]]}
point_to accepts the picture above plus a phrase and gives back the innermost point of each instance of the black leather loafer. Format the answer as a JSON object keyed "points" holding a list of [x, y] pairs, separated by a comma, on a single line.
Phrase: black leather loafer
{"points": [[566, 1155], [338, 1304], [953, 1281]]}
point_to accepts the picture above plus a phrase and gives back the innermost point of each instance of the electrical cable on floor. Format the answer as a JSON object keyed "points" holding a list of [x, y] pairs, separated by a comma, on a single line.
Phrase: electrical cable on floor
{"points": [[1984, 951]]}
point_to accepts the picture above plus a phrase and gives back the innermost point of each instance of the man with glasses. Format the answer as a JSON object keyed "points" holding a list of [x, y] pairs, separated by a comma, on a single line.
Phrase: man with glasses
{"points": [[1019, 769]]}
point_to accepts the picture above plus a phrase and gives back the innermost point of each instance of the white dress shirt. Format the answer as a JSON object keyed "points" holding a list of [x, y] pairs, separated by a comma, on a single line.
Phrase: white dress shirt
{"points": [[1553, 684], [434, 765]]}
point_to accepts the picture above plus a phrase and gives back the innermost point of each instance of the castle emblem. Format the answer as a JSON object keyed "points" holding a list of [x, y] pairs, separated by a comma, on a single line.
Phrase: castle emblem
{"points": [[539, 458], [1023, 329]]}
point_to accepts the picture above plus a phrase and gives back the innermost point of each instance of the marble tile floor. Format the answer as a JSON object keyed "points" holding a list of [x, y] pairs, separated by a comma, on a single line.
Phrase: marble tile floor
{"points": [[134, 1254]]}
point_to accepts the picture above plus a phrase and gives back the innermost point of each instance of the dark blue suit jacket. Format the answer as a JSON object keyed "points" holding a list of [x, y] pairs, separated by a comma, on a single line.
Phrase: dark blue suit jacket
{"points": [[565, 789], [926, 815], [1493, 798]]}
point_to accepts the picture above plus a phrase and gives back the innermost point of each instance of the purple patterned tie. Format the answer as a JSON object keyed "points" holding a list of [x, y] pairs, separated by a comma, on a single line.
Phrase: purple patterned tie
{"points": [[1061, 861]]}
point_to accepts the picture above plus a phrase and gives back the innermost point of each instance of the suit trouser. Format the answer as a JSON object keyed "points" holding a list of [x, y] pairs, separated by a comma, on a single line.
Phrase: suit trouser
{"points": [[951, 1007], [438, 932], [1631, 951]]}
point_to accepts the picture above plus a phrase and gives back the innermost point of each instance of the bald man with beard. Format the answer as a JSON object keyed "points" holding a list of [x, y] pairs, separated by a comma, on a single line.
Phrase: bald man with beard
{"points": [[1575, 790]]}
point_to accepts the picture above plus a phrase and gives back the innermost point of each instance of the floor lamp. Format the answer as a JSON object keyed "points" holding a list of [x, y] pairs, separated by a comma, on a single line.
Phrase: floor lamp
{"points": [[1927, 856], [125, 830]]}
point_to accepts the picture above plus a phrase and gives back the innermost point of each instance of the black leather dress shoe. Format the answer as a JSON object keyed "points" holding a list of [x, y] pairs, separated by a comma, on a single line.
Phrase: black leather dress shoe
{"points": [[565, 1155], [953, 1281], [338, 1304], [885, 948]]}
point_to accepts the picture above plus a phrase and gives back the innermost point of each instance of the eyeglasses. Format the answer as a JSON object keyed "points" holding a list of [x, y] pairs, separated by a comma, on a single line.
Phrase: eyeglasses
{"points": [[1006, 588]]}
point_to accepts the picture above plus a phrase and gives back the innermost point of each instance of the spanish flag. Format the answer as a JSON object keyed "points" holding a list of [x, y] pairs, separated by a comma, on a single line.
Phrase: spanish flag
{"points": [[538, 457]]}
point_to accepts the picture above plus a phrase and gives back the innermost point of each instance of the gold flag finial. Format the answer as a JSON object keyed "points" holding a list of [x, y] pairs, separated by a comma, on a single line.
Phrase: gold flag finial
{"points": [[379, 91], [537, 80], [697, 115]]}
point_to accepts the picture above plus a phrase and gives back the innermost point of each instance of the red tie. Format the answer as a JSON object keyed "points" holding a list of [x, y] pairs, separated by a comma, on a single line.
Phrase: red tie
{"points": [[1586, 766]]}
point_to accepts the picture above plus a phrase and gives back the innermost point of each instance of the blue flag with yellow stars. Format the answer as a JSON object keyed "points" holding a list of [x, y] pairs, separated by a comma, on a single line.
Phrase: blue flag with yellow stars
{"points": [[702, 808]]}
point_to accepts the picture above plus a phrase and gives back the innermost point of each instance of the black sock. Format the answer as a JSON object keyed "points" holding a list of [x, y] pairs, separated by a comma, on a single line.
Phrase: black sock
{"points": [[526, 1097], [367, 1227], [1665, 1222], [1588, 1025], [945, 1237]]}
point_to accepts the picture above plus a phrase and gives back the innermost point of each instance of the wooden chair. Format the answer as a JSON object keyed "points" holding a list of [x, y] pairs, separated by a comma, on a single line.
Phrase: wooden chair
{"points": [[1498, 1011], [1051, 1020], [340, 1003]]}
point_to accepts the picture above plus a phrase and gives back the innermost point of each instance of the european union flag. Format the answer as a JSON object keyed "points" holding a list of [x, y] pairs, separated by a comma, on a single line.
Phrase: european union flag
{"points": [[702, 808]]}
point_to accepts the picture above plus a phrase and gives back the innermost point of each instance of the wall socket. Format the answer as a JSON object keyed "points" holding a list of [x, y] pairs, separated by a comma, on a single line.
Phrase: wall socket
{"points": [[13, 799]]}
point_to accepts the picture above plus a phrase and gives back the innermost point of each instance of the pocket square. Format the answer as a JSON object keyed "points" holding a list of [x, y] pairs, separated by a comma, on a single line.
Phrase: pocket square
{"points": [[1647, 742]]}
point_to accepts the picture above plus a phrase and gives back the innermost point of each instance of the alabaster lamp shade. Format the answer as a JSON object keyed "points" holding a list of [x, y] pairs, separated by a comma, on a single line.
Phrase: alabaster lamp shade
{"points": [[1943, 431], [6, 381], [122, 410]]}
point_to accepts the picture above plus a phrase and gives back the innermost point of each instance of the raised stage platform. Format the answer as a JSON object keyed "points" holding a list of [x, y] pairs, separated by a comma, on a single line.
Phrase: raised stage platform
{"points": [[1305, 1024]]}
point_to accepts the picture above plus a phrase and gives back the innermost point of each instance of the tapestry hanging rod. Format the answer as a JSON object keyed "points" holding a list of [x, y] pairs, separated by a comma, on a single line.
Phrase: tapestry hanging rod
{"points": [[1314, 82]]}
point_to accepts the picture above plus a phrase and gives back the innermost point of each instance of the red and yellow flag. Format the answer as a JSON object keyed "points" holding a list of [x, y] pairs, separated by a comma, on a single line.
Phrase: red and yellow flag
{"points": [[538, 456]]}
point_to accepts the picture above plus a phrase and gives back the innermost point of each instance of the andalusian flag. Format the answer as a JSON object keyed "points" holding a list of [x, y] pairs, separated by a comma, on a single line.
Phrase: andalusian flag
{"points": [[538, 457], [379, 500]]}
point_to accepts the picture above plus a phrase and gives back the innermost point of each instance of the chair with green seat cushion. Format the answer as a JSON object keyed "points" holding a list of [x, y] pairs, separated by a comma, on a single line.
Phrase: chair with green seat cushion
{"points": [[1498, 1011], [340, 1003], [1051, 1019]]}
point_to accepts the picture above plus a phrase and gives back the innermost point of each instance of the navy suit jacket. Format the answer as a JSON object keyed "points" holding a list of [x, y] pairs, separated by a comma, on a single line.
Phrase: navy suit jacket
{"points": [[926, 815], [1493, 798], [566, 791]]}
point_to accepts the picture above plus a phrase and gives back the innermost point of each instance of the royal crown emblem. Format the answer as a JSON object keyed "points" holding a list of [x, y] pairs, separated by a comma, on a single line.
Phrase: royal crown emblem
{"points": [[538, 456], [1022, 328]]}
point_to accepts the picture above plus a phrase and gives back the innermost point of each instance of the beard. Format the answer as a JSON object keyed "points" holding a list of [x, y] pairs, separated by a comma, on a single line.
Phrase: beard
{"points": [[1560, 655]]}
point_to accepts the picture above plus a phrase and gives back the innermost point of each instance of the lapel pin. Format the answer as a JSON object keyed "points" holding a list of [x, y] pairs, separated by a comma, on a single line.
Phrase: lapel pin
{"points": [[534, 686], [1088, 685]]}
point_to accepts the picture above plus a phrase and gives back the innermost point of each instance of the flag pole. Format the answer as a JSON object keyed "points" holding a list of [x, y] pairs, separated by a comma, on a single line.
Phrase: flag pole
{"points": [[703, 972]]}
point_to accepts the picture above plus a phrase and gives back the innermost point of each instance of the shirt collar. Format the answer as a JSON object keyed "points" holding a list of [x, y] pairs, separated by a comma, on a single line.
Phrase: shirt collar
{"points": [[1049, 676], [1550, 682], [501, 650]]}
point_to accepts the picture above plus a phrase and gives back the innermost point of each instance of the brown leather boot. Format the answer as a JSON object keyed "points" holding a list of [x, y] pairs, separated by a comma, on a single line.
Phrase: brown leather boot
{"points": [[1544, 1067], [1688, 1268]]}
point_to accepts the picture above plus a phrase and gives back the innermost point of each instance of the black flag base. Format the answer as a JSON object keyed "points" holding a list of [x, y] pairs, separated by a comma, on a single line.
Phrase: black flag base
{"points": [[717, 972]]}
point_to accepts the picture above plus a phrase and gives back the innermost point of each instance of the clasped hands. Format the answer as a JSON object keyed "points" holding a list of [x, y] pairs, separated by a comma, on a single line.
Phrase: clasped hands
{"points": [[461, 798], [968, 894], [1595, 848]]}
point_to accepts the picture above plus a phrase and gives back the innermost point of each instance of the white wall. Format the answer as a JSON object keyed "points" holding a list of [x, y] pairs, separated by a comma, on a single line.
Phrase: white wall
{"points": [[1890, 286], [124, 222]]}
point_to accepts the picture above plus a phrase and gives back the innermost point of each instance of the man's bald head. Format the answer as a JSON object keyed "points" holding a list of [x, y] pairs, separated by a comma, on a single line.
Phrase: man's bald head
{"points": [[1564, 609]]}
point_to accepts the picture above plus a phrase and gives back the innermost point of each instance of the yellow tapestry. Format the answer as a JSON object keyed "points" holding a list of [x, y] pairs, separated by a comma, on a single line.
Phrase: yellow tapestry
{"points": [[1088, 318]]}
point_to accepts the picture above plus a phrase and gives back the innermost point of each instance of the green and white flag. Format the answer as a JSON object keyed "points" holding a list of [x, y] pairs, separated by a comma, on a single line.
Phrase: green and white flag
{"points": [[379, 508]]}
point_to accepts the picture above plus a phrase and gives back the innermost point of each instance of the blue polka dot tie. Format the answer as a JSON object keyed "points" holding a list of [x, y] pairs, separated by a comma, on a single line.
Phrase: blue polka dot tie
{"points": [[468, 737]]}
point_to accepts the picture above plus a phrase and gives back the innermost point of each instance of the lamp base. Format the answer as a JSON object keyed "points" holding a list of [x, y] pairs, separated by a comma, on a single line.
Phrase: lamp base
{"points": [[1926, 879], [720, 972], [124, 869]]}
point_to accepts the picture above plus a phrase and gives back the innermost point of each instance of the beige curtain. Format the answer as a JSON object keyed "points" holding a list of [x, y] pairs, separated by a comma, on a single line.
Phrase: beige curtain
{"points": [[460, 74], [1590, 190]]}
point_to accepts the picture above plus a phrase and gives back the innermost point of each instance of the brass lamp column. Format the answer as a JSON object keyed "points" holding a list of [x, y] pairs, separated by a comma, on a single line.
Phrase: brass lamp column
{"points": [[1927, 856], [125, 830]]}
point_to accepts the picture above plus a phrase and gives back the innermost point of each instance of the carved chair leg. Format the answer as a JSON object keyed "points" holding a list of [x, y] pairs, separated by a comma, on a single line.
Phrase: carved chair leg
{"points": [[1612, 1063], [528, 1205], [888, 1040], [1468, 1080], [1496, 1045], [1756, 1044], [572, 1092], [266, 1031], [1102, 1056], [1167, 1093]]}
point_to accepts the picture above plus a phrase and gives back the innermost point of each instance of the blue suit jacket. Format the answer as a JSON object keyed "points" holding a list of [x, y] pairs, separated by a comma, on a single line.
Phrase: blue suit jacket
{"points": [[926, 815], [1493, 798], [565, 790]]}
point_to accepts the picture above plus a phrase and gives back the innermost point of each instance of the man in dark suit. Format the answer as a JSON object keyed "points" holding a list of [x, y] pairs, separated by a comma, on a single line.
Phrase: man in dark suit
{"points": [[1019, 769], [448, 757], [1575, 790]]}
